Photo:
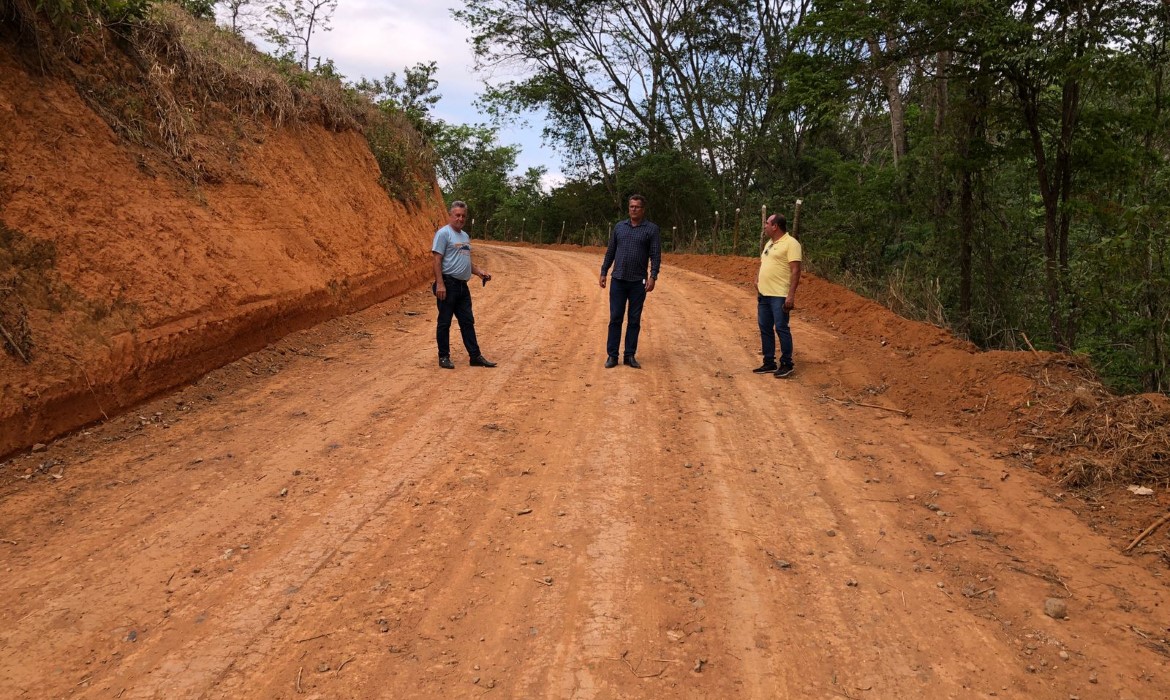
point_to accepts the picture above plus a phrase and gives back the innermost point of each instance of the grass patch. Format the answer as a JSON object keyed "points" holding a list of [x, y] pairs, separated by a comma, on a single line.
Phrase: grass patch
{"points": [[161, 78]]}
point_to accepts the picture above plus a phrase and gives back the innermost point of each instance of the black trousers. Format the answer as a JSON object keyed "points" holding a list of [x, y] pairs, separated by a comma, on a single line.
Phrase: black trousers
{"points": [[621, 293], [457, 304]]}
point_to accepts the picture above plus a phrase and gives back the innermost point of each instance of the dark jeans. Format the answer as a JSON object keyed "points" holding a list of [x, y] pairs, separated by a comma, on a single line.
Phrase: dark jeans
{"points": [[621, 292], [773, 320], [457, 304]]}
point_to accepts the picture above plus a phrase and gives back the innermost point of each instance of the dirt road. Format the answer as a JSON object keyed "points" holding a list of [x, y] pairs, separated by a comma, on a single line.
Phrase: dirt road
{"points": [[338, 518]]}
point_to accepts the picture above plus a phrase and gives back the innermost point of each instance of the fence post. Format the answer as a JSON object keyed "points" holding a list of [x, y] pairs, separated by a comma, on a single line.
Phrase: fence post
{"points": [[796, 219], [561, 238]]}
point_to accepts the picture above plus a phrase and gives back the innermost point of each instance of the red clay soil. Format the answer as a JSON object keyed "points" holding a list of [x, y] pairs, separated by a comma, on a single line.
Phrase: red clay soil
{"points": [[336, 517], [132, 280], [1048, 412]]}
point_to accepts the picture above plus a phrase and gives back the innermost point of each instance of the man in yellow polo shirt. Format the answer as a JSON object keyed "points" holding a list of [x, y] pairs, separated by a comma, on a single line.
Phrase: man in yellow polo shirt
{"points": [[776, 284]]}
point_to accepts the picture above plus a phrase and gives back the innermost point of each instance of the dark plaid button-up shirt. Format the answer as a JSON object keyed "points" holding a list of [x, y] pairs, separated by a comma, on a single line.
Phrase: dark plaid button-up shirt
{"points": [[631, 248]]}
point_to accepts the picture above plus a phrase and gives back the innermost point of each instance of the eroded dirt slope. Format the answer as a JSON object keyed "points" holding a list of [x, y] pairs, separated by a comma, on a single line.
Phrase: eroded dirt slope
{"points": [[337, 517], [129, 280]]}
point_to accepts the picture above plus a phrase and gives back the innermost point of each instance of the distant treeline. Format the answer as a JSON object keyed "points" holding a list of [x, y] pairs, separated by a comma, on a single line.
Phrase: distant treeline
{"points": [[996, 166]]}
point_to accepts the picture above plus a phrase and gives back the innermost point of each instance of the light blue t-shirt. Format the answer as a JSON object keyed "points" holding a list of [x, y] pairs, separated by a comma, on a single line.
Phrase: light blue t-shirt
{"points": [[456, 250]]}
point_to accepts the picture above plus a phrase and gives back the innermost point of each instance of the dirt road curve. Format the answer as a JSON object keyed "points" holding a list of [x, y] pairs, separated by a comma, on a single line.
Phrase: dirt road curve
{"points": [[343, 519]]}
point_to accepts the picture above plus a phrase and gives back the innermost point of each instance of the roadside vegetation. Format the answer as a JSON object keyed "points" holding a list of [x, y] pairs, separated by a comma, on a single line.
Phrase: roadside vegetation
{"points": [[160, 73], [997, 167]]}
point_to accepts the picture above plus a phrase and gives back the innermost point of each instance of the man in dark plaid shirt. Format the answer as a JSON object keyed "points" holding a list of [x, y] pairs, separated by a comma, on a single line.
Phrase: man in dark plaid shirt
{"points": [[633, 244]]}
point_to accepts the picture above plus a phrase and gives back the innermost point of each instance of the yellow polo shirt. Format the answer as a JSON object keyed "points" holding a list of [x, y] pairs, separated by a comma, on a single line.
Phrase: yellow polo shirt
{"points": [[775, 274]]}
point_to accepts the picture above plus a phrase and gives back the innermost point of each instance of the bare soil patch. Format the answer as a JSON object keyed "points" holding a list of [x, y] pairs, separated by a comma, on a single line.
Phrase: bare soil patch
{"points": [[335, 516]]}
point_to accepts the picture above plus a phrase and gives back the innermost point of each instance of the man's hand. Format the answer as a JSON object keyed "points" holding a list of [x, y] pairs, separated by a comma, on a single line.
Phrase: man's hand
{"points": [[601, 281], [485, 276], [650, 284], [790, 303], [440, 291]]}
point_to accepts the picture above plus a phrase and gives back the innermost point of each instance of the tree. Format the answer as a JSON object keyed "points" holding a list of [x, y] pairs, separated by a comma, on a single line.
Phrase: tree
{"points": [[293, 23], [619, 79], [200, 9], [415, 96], [243, 15]]}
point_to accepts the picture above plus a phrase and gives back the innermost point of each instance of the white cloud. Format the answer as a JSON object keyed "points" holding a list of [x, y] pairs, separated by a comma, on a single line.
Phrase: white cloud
{"points": [[371, 39]]}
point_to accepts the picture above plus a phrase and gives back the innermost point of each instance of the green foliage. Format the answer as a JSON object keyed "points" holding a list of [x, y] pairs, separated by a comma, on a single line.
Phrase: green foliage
{"points": [[1005, 173], [77, 15], [404, 159], [199, 9], [125, 12], [414, 96]]}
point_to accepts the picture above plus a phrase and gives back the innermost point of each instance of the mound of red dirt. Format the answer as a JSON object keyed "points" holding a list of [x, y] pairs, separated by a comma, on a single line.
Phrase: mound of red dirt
{"points": [[120, 279], [1048, 410]]}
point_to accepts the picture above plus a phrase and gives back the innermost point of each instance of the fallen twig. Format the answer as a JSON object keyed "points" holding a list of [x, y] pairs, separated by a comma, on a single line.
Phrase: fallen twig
{"points": [[299, 672], [643, 675], [309, 639], [1147, 532], [342, 665], [851, 402], [14, 345], [1028, 343]]}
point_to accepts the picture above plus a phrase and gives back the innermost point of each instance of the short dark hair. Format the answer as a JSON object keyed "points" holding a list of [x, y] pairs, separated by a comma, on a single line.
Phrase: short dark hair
{"points": [[780, 221], [638, 198]]}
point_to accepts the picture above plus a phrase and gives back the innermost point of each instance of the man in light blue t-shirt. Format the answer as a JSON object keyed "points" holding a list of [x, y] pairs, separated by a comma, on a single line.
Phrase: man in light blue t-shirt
{"points": [[451, 251]]}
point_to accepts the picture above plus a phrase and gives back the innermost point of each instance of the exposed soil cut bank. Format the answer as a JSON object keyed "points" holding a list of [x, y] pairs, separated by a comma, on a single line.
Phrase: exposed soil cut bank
{"points": [[121, 279]]}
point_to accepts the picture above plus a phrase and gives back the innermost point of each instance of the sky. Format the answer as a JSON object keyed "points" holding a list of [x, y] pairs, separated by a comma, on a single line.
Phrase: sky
{"points": [[372, 38]]}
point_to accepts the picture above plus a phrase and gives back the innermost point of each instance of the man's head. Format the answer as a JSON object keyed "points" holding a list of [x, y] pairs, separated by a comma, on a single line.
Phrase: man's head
{"points": [[457, 215], [637, 208], [776, 225]]}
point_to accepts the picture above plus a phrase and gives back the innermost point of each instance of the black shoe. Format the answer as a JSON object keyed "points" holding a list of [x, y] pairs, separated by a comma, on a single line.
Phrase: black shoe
{"points": [[611, 362], [446, 363], [784, 371], [481, 361], [765, 368], [631, 362]]}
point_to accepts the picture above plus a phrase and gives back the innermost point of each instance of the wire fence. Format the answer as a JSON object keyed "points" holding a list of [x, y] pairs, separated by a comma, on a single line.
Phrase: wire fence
{"points": [[736, 233]]}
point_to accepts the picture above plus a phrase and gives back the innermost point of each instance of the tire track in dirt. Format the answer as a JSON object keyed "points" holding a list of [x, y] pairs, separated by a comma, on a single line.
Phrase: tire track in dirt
{"points": [[554, 529]]}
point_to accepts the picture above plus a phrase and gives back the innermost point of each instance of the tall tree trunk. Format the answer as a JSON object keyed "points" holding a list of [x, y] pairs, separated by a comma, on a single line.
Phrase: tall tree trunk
{"points": [[892, 82], [1053, 285], [1070, 110]]}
